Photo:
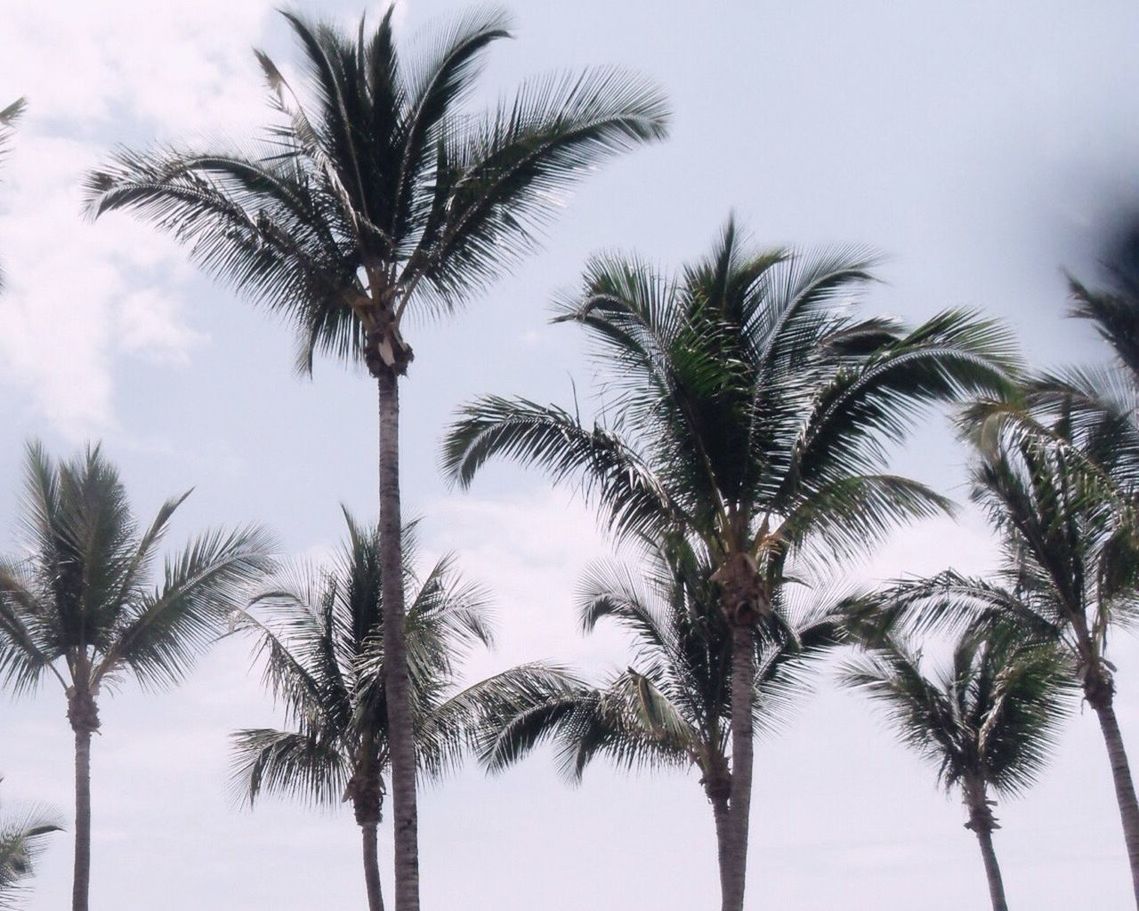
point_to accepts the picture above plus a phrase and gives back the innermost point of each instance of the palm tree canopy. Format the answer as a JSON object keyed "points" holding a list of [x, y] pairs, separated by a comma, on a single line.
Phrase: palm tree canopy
{"points": [[375, 189], [671, 707], [751, 405], [22, 838], [993, 717], [1070, 559], [319, 637], [80, 591]]}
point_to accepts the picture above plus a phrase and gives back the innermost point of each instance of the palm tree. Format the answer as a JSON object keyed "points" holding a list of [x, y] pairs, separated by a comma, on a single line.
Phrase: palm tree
{"points": [[376, 197], [671, 708], [21, 840], [750, 412], [8, 118], [79, 606], [988, 724], [323, 644], [1070, 563]]}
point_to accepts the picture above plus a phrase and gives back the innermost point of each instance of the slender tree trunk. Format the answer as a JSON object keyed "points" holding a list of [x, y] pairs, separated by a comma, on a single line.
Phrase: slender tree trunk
{"points": [[739, 808], [992, 870], [982, 822], [372, 867], [401, 737], [83, 713], [82, 882], [720, 812], [1124, 788]]}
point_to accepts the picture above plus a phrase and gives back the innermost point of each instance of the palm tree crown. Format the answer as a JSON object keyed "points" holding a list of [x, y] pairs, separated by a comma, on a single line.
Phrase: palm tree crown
{"points": [[375, 191]]}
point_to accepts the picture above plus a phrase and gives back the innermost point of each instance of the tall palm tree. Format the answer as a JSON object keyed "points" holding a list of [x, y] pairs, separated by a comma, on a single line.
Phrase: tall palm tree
{"points": [[987, 724], [21, 840], [1070, 564], [671, 708], [750, 412], [377, 195], [78, 605], [8, 118], [323, 644]]}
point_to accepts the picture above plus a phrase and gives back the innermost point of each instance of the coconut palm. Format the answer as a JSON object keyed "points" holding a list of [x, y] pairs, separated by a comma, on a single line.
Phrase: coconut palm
{"points": [[671, 708], [1069, 570], [987, 725], [374, 196], [8, 117], [78, 605], [750, 412], [22, 838], [322, 642]]}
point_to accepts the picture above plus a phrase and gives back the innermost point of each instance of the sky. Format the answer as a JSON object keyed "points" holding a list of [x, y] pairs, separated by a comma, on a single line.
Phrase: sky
{"points": [[981, 147]]}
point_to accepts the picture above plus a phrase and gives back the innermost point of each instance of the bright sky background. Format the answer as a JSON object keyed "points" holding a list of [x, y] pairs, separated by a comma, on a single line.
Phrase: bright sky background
{"points": [[981, 146]]}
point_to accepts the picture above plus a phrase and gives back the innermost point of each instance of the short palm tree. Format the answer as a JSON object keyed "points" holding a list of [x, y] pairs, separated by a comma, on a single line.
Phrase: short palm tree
{"points": [[78, 604], [1070, 568], [671, 708], [21, 839], [8, 118], [322, 642], [750, 412], [376, 197], [987, 725]]}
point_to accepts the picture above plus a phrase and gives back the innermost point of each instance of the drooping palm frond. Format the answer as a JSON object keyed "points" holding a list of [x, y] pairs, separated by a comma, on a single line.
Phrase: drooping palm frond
{"points": [[23, 837], [671, 707]]}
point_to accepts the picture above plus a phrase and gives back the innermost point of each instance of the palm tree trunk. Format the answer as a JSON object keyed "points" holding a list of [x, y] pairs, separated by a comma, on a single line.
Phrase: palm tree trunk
{"points": [[739, 808], [992, 869], [983, 822], [372, 867], [82, 882], [720, 812], [400, 734], [1124, 788]]}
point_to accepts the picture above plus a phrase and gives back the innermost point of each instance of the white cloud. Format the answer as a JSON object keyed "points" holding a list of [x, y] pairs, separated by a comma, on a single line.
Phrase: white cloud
{"points": [[78, 294]]}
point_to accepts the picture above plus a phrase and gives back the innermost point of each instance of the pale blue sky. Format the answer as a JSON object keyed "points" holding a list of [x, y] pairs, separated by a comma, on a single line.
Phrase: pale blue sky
{"points": [[980, 146]]}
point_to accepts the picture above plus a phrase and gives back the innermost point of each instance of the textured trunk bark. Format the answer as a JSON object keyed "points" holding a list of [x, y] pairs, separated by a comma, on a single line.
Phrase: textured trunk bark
{"points": [[739, 807], [401, 736], [82, 882], [1124, 788], [992, 870], [372, 867], [720, 812]]}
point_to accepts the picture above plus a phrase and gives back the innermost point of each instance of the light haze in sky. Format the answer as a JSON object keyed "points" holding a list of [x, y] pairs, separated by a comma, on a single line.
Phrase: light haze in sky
{"points": [[980, 146]]}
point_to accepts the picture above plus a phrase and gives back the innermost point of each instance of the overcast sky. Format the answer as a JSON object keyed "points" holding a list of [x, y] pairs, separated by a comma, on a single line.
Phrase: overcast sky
{"points": [[980, 146]]}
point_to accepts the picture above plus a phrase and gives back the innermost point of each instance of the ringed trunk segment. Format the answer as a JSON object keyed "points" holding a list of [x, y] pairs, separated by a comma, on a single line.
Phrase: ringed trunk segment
{"points": [[983, 823], [83, 713], [739, 804], [368, 819], [401, 735], [1099, 690], [745, 603], [718, 788]]}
